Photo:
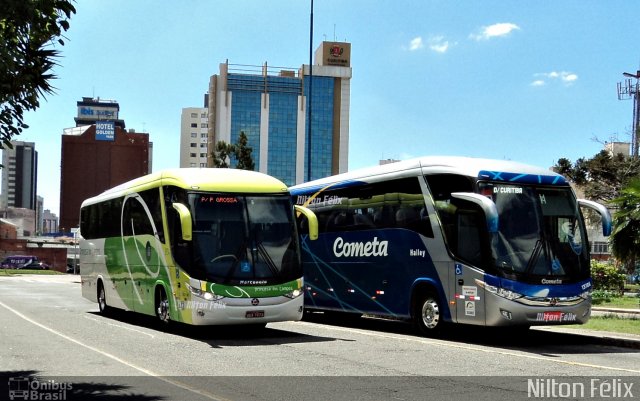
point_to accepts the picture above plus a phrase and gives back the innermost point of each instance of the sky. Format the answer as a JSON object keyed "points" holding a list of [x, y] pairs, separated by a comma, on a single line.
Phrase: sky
{"points": [[525, 81]]}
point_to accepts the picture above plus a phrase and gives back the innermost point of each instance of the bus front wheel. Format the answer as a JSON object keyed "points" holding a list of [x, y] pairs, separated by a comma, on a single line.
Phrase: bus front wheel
{"points": [[427, 314], [162, 306], [102, 299]]}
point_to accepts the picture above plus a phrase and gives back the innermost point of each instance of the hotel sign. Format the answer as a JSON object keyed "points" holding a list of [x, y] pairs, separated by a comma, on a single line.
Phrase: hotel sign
{"points": [[336, 54], [105, 131], [97, 112]]}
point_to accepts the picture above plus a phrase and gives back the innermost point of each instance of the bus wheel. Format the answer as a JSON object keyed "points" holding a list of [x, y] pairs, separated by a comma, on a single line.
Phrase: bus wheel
{"points": [[102, 299], [426, 315], [162, 306]]}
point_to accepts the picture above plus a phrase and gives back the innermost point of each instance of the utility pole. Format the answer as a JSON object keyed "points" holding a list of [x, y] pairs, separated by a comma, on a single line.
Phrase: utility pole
{"points": [[628, 90], [310, 93]]}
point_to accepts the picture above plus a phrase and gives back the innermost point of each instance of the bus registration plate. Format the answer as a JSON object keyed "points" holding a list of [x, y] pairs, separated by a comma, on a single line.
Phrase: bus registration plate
{"points": [[254, 313]]}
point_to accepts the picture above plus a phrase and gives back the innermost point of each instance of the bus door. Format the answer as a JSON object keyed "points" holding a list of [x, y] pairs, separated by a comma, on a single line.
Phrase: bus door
{"points": [[469, 296]]}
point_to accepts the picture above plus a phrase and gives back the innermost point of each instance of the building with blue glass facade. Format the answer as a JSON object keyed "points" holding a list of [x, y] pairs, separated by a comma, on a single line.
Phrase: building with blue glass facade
{"points": [[270, 105]]}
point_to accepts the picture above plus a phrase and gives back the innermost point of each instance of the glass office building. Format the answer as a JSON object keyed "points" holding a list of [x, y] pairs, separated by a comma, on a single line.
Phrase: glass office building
{"points": [[271, 106]]}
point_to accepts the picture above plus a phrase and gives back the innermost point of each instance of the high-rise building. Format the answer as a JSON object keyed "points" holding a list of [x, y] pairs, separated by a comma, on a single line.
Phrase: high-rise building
{"points": [[271, 106], [194, 137], [19, 176], [97, 157]]}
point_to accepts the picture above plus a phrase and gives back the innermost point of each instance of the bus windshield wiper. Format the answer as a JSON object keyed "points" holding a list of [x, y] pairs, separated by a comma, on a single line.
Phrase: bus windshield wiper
{"points": [[534, 256], [267, 258]]}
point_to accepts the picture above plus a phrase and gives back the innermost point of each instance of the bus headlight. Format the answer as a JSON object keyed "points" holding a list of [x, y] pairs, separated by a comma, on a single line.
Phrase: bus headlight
{"points": [[208, 296], [501, 292], [293, 294]]}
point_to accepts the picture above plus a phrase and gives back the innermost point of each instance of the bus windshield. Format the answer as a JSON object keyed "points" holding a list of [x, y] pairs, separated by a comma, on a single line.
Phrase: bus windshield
{"points": [[540, 234], [244, 240]]}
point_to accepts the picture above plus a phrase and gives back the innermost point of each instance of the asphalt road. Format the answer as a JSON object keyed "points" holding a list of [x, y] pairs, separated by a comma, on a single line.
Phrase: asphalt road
{"points": [[56, 344]]}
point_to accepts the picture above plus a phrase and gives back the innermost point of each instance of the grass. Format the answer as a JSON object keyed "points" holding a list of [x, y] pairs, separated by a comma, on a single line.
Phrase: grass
{"points": [[620, 302], [610, 323], [13, 272]]}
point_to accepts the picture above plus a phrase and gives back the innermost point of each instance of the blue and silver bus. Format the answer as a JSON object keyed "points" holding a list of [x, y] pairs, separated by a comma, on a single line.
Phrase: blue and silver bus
{"points": [[442, 240]]}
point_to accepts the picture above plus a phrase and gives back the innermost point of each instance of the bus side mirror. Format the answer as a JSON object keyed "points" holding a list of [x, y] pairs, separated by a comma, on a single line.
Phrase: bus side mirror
{"points": [[602, 211], [311, 219], [487, 206], [185, 221]]}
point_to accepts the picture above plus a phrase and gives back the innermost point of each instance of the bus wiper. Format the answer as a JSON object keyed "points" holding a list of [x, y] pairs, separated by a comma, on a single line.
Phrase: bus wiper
{"points": [[534, 256], [267, 258]]}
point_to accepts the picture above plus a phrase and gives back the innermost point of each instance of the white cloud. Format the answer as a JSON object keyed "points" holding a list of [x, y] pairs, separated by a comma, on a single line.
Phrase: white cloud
{"points": [[416, 44], [542, 78], [439, 44], [494, 31]]}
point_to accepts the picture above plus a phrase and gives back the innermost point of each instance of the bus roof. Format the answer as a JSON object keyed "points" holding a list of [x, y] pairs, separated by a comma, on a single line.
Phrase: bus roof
{"points": [[198, 179], [468, 166]]}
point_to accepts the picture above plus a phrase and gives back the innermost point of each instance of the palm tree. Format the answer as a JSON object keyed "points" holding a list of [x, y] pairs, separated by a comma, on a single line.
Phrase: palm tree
{"points": [[625, 238]]}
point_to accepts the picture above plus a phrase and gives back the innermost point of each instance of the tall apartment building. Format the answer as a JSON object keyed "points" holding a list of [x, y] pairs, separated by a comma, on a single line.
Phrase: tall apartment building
{"points": [[98, 156], [19, 176], [194, 133], [270, 105]]}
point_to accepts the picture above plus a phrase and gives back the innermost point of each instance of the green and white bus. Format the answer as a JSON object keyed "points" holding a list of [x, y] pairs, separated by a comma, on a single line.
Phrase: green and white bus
{"points": [[200, 246]]}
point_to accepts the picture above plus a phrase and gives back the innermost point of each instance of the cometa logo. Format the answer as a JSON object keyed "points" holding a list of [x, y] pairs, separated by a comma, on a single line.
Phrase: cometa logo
{"points": [[356, 249]]}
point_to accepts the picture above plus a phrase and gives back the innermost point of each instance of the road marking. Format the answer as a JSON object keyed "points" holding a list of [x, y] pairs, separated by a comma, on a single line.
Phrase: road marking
{"points": [[115, 358], [118, 325], [472, 348]]}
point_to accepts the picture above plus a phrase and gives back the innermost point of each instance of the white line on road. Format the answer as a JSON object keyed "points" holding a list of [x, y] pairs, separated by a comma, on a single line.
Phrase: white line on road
{"points": [[115, 358], [119, 326], [472, 348]]}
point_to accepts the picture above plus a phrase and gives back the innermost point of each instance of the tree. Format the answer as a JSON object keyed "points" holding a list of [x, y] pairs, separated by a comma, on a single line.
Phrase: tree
{"points": [[29, 29], [240, 151], [625, 238], [221, 155], [601, 177], [243, 154]]}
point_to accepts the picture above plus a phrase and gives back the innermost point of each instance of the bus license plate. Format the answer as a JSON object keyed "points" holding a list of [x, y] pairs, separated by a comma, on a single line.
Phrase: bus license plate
{"points": [[254, 313]]}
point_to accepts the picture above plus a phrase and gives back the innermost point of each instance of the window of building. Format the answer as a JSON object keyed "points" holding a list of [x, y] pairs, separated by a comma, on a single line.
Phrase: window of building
{"points": [[194, 115], [193, 145], [194, 135], [192, 155], [194, 125]]}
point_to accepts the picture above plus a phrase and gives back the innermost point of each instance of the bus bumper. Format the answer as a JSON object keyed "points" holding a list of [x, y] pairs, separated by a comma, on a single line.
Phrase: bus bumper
{"points": [[505, 312], [237, 311]]}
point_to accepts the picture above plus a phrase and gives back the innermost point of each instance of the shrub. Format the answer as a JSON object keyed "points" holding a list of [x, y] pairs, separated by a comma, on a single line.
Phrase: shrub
{"points": [[607, 277]]}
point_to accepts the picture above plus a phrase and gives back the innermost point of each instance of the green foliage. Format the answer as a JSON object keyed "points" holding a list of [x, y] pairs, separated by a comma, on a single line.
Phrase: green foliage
{"points": [[240, 151], [221, 154], [29, 29], [603, 176], [243, 154], [606, 278], [625, 238]]}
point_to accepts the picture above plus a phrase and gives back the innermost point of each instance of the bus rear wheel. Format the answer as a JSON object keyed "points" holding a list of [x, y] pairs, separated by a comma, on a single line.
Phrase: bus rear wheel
{"points": [[162, 306], [427, 314]]}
